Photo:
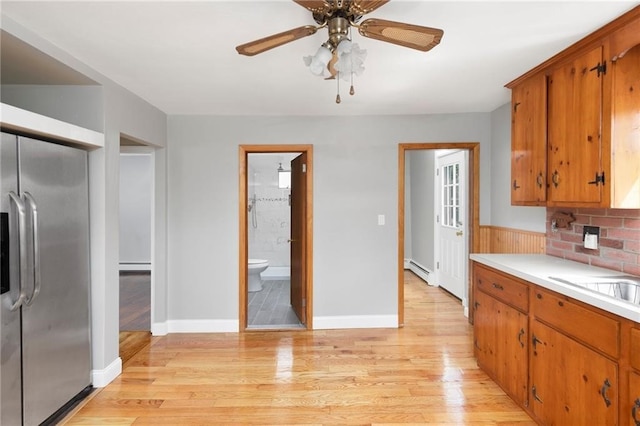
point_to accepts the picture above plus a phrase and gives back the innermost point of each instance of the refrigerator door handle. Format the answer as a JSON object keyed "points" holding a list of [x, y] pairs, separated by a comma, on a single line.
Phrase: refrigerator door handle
{"points": [[22, 235], [35, 247]]}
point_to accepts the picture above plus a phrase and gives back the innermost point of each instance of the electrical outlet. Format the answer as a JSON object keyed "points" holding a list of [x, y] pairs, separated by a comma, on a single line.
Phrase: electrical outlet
{"points": [[590, 237], [591, 230]]}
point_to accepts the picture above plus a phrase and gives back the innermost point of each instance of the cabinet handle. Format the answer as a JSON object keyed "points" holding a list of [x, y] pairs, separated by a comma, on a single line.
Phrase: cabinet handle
{"points": [[634, 409], [603, 391], [535, 341], [535, 395], [555, 178], [599, 179], [520, 337], [498, 286], [540, 180], [515, 185], [515, 106]]}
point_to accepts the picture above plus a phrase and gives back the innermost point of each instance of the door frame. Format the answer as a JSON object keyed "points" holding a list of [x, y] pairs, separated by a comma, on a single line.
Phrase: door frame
{"points": [[473, 206], [243, 256]]}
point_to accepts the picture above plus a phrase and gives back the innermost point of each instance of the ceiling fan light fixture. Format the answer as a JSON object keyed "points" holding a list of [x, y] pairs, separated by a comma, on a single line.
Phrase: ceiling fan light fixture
{"points": [[350, 60], [339, 58], [318, 63]]}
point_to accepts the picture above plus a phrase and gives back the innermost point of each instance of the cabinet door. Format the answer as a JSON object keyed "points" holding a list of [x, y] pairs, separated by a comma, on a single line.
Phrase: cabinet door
{"points": [[574, 122], [634, 395], [500, 336], [570, 383], [529, 141], [625, 137]]}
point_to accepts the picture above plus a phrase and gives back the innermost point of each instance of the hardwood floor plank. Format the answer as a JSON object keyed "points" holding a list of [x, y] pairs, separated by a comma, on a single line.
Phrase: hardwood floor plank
{"points": [[423, 373]]}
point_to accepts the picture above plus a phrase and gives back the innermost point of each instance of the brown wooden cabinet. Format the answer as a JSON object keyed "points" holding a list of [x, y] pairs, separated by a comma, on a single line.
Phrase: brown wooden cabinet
{"points": [[571, 384], [634, 399], [529, 142], [590, 118], [624, 163], [632, 406], [501, 330], [501, 344], [574, 143], [562, 360]]}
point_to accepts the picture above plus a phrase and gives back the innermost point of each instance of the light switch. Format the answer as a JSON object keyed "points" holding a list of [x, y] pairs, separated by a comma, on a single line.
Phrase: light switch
{"points": [[380, 219]]}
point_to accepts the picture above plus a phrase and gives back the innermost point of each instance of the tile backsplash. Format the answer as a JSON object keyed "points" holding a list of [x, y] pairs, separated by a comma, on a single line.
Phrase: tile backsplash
{"points": [[619, 243]]}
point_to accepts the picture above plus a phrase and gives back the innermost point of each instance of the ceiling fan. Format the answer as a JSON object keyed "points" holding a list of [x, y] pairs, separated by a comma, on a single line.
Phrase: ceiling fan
{"points": [[338, 16]]}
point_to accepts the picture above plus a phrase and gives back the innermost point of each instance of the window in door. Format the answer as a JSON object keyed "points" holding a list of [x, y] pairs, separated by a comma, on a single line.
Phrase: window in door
{"points": [[451, 195]]}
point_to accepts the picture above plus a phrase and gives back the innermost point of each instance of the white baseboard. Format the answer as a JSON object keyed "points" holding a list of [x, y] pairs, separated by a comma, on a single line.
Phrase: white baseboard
{"points": [[407, 262], [159, 329], [135, 266], [203, 326], [355, 321], [276, 273], [101, 378]]}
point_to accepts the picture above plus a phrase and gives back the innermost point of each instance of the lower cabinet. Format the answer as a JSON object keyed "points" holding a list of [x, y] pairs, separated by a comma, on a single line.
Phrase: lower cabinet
{"points": [[634, 396], [571, 384], [501, 344], [563, 361]]}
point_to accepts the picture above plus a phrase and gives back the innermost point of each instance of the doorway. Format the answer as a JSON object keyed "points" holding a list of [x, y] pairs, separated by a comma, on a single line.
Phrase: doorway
{"points": [[275, 223], [135, 262], [472, 150], [450, 201]]}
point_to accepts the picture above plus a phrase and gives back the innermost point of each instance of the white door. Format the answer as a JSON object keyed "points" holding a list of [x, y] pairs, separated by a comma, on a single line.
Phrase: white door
{"points": [[451, 227]]}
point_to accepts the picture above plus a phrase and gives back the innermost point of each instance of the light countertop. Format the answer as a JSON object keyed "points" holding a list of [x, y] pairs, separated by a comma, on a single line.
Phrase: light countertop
{"points": [[537, 268]]}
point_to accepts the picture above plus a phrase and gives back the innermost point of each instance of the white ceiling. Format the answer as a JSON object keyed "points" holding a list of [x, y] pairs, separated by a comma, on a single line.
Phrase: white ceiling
{"points": [[180, 56]]}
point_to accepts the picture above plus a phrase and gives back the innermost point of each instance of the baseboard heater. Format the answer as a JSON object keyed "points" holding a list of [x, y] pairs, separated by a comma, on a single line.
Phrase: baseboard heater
{"points": [[420, 271]]}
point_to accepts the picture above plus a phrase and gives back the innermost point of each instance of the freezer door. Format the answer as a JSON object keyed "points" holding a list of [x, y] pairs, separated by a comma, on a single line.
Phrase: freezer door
{"points": [[10, 384], [55, 325]]}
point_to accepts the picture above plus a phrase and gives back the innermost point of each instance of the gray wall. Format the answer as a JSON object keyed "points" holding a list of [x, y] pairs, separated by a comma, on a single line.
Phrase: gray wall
{"points": [[79, 105], [502, 212], [355, 179], [422, 165], [135, 208]]}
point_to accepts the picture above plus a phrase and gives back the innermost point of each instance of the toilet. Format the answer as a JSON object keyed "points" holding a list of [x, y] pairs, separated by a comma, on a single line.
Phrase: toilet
{"points": [[256, 266]]}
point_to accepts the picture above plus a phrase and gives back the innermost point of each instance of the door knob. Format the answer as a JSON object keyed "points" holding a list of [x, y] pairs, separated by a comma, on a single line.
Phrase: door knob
{"points": [[459, 233], [290, 240]]}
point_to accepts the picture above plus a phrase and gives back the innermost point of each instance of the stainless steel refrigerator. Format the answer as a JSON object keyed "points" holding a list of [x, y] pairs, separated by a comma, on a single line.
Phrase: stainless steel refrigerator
{"points": [[45, 352]]}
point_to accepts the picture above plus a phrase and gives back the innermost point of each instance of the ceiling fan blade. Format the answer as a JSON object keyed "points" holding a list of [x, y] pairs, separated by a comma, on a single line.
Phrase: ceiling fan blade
{"points": [[362, 7], [264, 44], [407, 35], [320, 7]]}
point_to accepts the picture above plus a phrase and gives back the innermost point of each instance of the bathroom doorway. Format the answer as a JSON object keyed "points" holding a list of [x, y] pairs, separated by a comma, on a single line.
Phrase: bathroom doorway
{"points": [[275, 237], [470, 217]]}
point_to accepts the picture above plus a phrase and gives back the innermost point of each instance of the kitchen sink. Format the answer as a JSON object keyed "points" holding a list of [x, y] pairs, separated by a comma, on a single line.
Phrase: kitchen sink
{"points": [[621, 287]]}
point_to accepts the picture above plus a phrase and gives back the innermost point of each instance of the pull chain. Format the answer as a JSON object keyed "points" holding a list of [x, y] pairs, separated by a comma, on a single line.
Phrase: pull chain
{"points": [[338, 85], [351, 90]]}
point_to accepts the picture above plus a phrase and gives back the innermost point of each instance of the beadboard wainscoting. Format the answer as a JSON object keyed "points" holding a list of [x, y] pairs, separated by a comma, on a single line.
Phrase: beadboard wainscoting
{"points": [[496, 239]]}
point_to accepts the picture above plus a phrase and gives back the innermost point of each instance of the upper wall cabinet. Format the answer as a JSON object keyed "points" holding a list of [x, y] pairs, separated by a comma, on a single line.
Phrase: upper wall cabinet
{"points": [[576, 123], [573, 128], [529, 142]]}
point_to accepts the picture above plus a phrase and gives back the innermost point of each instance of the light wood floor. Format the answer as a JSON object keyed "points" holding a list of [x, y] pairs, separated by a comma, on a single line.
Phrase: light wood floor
{"points": [[424, 373]]}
